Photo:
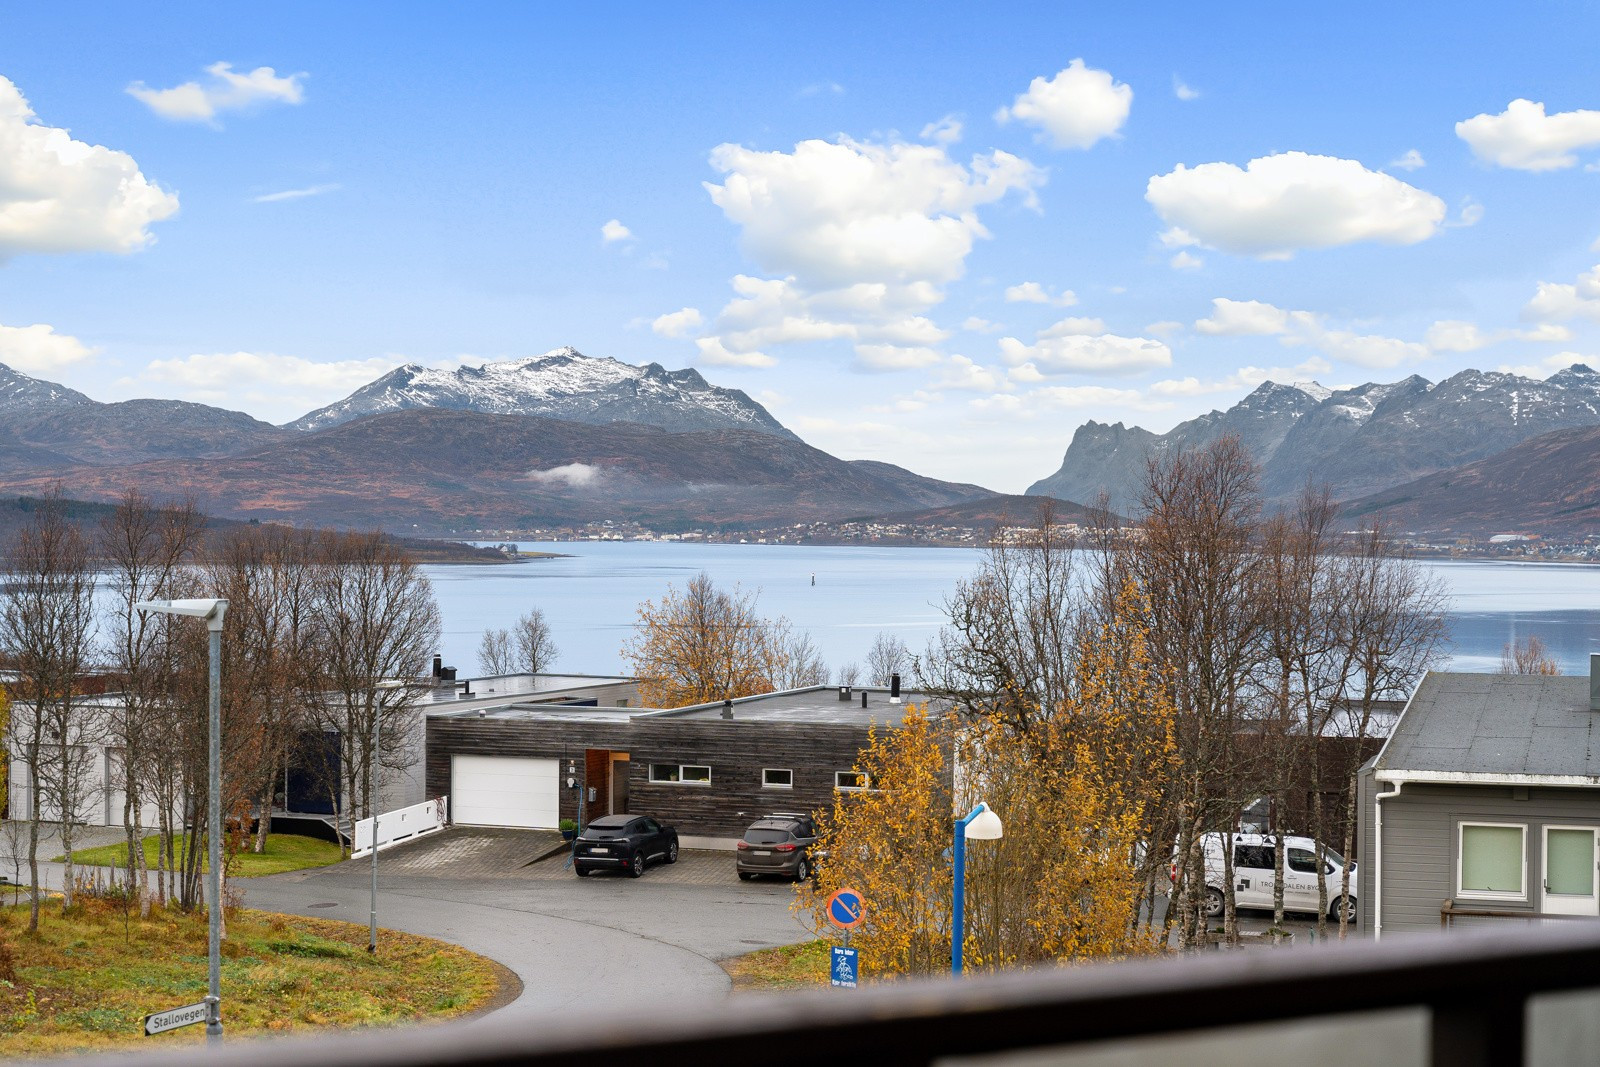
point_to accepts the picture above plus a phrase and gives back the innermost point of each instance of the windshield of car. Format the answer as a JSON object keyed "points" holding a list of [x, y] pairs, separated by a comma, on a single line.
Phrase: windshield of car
{"points": [[766, 837]]}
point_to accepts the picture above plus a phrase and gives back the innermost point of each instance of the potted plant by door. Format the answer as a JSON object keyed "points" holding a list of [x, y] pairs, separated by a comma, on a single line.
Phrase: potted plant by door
{"points": [[569, 829]]}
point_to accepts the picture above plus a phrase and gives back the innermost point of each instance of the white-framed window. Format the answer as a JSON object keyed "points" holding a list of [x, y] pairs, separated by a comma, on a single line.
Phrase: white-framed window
{"points": [[777, 778], [680, 773], [1492, 860], [851, 780]]}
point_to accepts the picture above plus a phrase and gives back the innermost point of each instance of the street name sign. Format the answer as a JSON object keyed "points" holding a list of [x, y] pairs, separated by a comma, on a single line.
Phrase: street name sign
{"points": [[846, 909], [162, 1021]]}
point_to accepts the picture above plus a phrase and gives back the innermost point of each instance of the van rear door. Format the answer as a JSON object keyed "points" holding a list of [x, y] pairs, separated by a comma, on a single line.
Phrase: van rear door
{"points": [[1252, 876]]}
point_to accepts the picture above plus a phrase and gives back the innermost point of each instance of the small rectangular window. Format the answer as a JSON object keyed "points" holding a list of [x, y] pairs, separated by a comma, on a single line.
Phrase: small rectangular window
{"points": [[1493, 861], [777, 778], [692, 773], [680, 773], [849, 780], [663, 772]]}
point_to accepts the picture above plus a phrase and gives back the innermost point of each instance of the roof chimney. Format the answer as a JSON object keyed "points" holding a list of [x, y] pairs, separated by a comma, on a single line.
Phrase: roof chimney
{"points": [[844, 694], [727, 709], [1594, 681], [894, 689], [863, 698], [438, 666]]}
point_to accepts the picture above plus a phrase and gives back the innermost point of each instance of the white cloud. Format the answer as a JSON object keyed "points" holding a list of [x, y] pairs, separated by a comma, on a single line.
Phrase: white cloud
{"points": [[1073, 326], [1554, 302], [1550, 365], [1523, 137], [678, 323], [1164, 328], [1455, 335], [1062, 396], [225, 90], [1411, 160], [39, 350], [294, 194], [713, 353], [946, 131], [1074, 109], [1245, 318], [1277, 205], [1034, 293], [1182, 91], [1186, 261], [974, 324], [1087, 354], [572, 475], [862, 239], [1243, 378], [61, 195], [1470, 215], [614, 231], [822, 88], [964, 375], [278, 388]]}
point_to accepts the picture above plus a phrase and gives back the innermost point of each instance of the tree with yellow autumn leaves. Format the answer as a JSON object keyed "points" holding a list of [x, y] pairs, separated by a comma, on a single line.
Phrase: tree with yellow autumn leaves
{"points": [[1080, 791]]}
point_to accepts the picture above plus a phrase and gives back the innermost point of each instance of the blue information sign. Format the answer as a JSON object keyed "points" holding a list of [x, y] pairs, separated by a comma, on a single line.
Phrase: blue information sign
{"points": [[844, 971]]}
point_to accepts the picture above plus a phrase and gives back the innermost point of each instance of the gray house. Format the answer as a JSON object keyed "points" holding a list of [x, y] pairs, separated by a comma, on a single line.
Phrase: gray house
{"points": [[1484, 804]]}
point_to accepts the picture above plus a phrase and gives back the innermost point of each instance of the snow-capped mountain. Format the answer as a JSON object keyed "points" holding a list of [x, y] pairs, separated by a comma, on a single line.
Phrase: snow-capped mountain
{"points": [[564, 384], [1359, 440]]}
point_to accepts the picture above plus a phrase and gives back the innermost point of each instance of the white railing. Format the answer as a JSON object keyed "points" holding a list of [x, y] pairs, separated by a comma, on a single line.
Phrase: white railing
{"points": [[402, 825]]}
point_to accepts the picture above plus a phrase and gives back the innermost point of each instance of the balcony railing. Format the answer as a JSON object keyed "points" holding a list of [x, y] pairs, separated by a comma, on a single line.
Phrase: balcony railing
{"points": [[1475, 988]]}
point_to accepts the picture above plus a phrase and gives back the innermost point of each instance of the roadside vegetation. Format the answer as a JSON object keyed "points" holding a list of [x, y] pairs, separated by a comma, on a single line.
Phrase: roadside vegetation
{"points": [[802, 966], [86, 979], [282, 852]]}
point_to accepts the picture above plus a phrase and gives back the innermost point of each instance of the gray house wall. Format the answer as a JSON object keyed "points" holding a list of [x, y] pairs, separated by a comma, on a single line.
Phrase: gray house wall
{"points": [[1366, 877], [1421, 840]]}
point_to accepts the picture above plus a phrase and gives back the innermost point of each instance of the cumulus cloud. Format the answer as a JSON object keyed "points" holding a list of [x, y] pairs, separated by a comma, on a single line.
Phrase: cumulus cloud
{"points": [[861, 238], [39, 350], [269, 386], [1087, 354], [1243, 378], [1186, 260], [613, 231], [1182, 91], [1034, 293], [1074, 109], [946, 131], [1277, 205], [1411, 160], [294, 194], [1073, 326], [1523, 137], [1550, 365], [62, 195], [974, 324], [1554, 302], [1242, 318], [571, 475], [678, 323], [959, 373], [224, 90], [1455, 335], [712, 352]]}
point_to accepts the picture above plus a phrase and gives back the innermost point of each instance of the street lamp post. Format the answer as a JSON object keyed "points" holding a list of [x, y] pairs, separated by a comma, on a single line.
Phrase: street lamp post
{"points": [[980, 824], [213, 611], [372, 784]]}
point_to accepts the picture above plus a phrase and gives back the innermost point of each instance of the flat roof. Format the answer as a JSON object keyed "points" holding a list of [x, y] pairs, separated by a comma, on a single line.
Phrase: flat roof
{"points": [[816, 704], [1528, 725], [501, 686]]}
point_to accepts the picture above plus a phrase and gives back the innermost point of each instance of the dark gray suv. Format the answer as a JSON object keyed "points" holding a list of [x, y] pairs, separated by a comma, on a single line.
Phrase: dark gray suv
{"points": [[777, 844]]}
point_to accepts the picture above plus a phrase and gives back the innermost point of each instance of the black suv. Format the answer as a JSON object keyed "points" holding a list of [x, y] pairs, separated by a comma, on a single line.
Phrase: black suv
{"points": [[623, 843], [777, 844]]}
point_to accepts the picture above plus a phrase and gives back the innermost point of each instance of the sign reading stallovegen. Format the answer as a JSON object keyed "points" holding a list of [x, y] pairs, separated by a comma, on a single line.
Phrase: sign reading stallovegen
{"points": [[162, 1021]]}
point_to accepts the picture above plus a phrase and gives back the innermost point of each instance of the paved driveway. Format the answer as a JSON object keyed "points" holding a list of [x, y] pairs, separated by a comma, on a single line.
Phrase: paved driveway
{"points": [[572, 941]]}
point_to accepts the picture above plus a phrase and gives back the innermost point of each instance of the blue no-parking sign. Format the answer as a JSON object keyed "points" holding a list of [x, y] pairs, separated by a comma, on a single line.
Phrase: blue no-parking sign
{"points": [[844, 971], [845, 909]]}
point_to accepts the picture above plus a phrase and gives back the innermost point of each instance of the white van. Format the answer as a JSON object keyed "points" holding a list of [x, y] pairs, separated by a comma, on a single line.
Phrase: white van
{"points": [[1253, 874]]}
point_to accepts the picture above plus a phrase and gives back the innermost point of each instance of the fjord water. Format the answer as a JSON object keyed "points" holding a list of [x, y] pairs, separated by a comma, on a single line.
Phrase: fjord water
{"points": [[591, 596]]}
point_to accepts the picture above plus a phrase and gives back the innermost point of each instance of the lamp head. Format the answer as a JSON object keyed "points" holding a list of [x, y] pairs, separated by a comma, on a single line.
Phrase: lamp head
{"points": [[211, 609], [985, 826]]}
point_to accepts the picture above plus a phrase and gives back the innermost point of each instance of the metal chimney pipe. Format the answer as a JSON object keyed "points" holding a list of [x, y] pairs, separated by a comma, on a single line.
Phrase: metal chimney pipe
{"points": [[1594, 681], [727, 709], [863, 698]]}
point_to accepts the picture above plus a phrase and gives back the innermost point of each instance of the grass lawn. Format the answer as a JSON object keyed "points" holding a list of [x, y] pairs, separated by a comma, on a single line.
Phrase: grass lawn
{"points": [[802, 966], [87, 980], [285, 852]]}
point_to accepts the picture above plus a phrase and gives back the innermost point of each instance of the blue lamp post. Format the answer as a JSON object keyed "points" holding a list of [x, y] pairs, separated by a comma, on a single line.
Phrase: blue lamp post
{"points": [[980, 824]]}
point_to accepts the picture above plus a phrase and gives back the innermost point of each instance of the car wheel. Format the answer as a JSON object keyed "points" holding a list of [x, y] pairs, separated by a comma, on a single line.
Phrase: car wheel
{"points": [[636, 868], [745, 876], [672, 852], [581, 872], [1213, 904], [1349, 910], [803, 871]]}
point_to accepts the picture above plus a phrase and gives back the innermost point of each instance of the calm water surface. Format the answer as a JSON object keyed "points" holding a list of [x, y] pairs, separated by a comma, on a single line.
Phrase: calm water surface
{"points": [[591, 598]]}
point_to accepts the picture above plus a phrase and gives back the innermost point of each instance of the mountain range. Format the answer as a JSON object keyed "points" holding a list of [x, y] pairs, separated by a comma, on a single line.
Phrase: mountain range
{"points": [[1360, 441]]}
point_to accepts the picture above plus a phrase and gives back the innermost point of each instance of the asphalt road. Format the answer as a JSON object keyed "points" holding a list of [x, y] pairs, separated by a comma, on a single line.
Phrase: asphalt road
{"points": [[575, 943]]}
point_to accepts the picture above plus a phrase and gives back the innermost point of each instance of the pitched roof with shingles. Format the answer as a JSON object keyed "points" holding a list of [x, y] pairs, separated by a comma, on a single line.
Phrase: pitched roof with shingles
{"points": [[1516, 724]]}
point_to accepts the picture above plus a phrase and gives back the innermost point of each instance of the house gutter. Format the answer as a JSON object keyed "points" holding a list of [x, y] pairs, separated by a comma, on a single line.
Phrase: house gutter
{"points": [[1377, 857]]}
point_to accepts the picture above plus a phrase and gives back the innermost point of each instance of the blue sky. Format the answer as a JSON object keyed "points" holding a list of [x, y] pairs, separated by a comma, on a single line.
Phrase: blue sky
{"points": [[938, 235]]}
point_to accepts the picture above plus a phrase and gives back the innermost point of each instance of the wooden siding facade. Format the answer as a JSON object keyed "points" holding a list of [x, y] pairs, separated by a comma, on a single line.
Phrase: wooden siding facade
{"points": [[1421, 842], [737, 751]]}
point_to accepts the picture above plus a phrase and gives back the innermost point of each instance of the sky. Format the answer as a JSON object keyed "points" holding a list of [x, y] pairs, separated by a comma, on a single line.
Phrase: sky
{"points": [[942, 235]]}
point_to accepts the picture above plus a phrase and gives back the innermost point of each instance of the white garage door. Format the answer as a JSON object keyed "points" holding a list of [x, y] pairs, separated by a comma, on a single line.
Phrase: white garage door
{"points": [[504, 791]]}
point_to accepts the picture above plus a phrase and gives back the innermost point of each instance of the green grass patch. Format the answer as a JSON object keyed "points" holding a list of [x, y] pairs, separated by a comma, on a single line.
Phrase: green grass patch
{"points": [[802, 966], [284, 852], [89, 977]]}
